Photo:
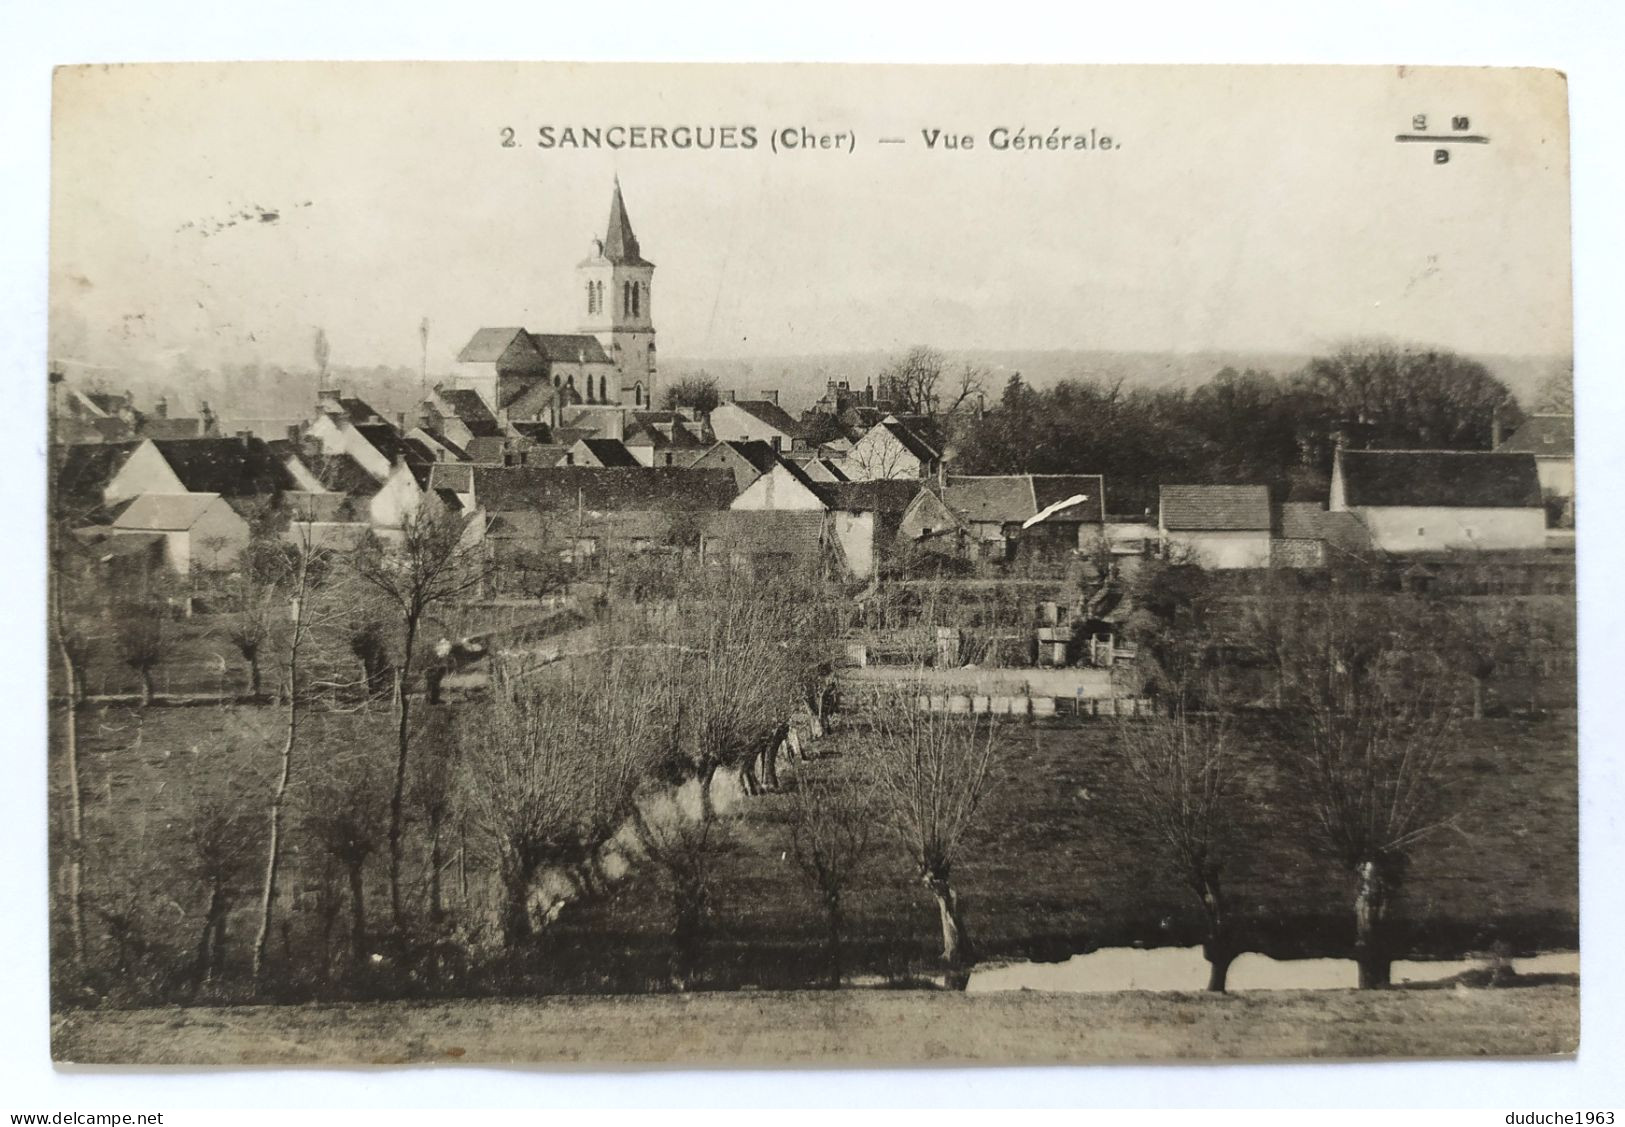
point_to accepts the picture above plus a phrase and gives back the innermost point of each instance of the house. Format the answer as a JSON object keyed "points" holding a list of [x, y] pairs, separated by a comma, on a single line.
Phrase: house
{"points": [[1308, 535], [769, 543], [821, 469], [1218, 526], [314, 471], [755, 420], [662, 438], [591, 512], [459, 414], [892, 449], [399, 495], [1432, 500], [201, 531], [995, 516], [865, 517], [1550, 439], [784, 487], [238, 467], [747, 461], [605, 453]]}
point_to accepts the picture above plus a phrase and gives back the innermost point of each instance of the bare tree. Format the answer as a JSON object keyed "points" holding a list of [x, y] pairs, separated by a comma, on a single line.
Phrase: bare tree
{"points": [[345, 816], [433, 561], [1178, 780], [299, 573], [432, 790], [1479, 633], [141, 630], [921, 384], [931, 771], [830, 825], [70, 626], [222, 841], [550, 770], [1368, 729]]}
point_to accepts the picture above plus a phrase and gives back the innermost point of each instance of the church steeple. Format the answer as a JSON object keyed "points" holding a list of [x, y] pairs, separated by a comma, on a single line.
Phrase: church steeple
{"points": [[618, 290], [620, 244]]}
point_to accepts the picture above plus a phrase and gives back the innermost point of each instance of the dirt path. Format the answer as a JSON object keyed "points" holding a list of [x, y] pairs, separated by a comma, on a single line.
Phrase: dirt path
{"points": [[855, 1026]]}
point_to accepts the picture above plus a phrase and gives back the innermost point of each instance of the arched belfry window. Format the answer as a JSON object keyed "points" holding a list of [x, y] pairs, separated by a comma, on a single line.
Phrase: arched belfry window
{"points": [[626, 298], [603, 388], [591, 296], [637, 300], [637, 395]]}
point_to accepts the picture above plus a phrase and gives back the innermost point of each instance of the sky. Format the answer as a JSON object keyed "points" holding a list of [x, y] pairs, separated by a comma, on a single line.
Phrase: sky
{"points": [[1239, 209]]}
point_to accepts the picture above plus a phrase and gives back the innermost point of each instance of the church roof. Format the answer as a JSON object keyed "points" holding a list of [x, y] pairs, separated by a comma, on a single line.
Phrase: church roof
{"points": [[620, 244], [488, 345], [570, 348]]}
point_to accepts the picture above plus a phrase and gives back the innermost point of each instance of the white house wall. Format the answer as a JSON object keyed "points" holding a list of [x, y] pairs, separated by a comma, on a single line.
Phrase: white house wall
{"points": [[218, 537], [1225, 550], [144, 472], [1414, 529], [398, 499], [855, 532], [777, 490], [1556, 476]]}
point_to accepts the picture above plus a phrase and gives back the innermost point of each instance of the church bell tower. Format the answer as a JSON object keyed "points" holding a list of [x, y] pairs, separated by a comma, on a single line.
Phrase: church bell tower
{"points": [[615, 288]]}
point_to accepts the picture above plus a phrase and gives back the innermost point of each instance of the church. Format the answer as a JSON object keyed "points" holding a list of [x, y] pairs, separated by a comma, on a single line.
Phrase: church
{"points": [[525, 376]]}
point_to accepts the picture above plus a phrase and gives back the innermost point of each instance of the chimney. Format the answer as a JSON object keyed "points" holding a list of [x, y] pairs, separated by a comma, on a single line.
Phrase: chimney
{"points": [[733, 396], [1495, 426], [832, 386], [400, 421], [244, 436], [771, 394], [293, 432], [869, 393], [161, 408]]}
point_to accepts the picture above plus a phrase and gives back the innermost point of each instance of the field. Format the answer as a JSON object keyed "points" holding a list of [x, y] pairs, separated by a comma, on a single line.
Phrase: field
{"points": [[836, 1028], [1055, 866]]}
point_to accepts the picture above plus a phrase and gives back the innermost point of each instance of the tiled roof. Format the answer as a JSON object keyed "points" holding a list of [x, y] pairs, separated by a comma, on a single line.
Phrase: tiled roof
{"points": [[165, 512], [439, 439], [338, 472], [84, 469], [153, 427], [1215, 508], [913, 443], [486, 451], [570, 348], [662, 433], [765, 532], [504, 488], [1471, 479], [488, 345], [471, 411], [1547, 436], [1001, 498], [537, 432], [1310, 520], [610, 452], [231, 467], [392, 444], [879, 496], [452, 476], [771, 413], [1050, 489]]}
